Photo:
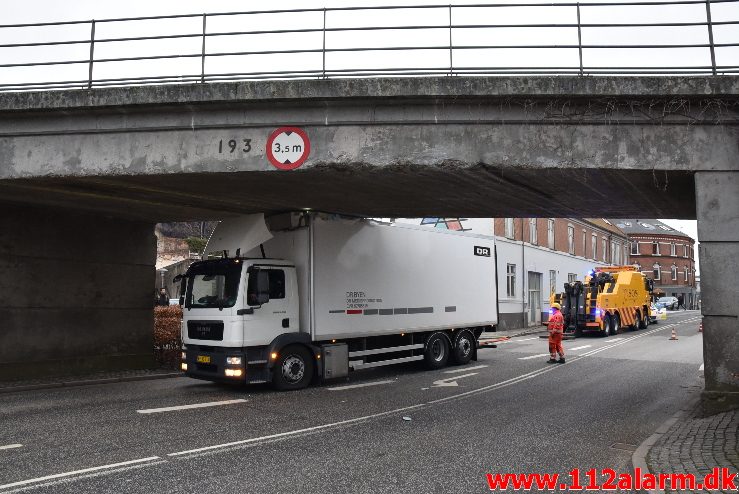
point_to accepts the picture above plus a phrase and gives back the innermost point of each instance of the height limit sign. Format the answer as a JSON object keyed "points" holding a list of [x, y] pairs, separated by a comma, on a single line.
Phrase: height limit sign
{"points": [[288, 148]]}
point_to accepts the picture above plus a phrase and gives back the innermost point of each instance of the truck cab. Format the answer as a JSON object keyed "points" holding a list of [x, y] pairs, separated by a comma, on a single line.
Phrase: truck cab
{"points": [[233, 309]]}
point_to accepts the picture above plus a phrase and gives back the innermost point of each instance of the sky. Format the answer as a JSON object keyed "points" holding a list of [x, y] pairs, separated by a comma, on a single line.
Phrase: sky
{"points": [[35, 11]]}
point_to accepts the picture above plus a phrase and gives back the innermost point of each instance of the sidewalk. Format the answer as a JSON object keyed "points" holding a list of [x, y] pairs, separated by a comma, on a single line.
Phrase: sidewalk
{"points": [[86, 380], [694, 444]]}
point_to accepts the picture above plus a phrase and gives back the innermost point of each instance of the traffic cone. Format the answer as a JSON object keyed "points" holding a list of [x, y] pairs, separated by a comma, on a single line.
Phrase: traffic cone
{"points": [[674, 335]]}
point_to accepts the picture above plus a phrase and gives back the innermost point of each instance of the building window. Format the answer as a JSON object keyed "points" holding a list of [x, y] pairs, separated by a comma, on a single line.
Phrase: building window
{"points": [[673, 271], [550, 233], [509, 227], [673, 249], [687, 275], [685, 250], [532, 231], [604, 247], [655, 248], [584, 244], [634, 248], [594, 246], [615, 251], [552, 281], [626, 254], [571, 239], [571, 277], [511, 280], [657, 271]]}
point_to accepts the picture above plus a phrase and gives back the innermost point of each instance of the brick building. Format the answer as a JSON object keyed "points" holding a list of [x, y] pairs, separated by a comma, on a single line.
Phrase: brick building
{"points": [[665, 255]]}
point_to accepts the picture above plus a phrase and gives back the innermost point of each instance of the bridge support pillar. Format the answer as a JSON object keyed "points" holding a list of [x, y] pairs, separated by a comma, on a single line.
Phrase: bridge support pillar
{"points": [[76, 293], [717, 208]]}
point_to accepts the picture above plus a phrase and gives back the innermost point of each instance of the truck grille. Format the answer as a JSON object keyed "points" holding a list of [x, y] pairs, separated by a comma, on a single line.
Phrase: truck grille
{"points": [[205, 330]]}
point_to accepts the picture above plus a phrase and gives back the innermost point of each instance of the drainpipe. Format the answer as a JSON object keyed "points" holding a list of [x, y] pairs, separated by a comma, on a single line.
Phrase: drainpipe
{"points": [[523, 278]]}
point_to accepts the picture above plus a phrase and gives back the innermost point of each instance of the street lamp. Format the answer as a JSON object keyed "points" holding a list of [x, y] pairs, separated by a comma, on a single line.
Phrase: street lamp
{"points": [[161, 272]]}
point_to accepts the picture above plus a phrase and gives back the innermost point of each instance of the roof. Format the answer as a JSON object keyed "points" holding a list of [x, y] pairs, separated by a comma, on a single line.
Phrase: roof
{"points": [[608, 225], [647, 227]]}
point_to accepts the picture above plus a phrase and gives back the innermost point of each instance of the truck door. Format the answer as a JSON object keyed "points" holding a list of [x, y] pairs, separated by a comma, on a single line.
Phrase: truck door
{"points": [[276, 316]]}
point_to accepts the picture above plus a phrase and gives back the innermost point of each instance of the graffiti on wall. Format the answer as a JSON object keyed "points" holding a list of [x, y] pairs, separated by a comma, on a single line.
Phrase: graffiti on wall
{"points": [[446, 223]]}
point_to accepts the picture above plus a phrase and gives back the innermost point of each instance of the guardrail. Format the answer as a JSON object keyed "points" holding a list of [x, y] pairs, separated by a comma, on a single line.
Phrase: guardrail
{"points": [[583, 38]]}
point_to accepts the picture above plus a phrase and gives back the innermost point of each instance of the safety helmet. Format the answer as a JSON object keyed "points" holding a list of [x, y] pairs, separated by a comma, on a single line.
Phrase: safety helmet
{"points": [[555, 305]]}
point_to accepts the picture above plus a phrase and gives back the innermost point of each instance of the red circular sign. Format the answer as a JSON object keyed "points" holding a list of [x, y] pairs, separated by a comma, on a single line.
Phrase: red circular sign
{"points": [[288, 148]]}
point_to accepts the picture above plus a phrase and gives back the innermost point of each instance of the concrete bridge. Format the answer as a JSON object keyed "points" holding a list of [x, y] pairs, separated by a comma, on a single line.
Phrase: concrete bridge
{"points": [[84, 175]]}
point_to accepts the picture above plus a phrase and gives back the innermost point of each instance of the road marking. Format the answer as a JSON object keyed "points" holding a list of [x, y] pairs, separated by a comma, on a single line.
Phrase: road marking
{"points": [[11, 446], [296, 432], [77, 472], [526, 339], [579, 347], [700, 369], [534, 356], [188, 407], [464, 369], [451, 381], [362, 385]]}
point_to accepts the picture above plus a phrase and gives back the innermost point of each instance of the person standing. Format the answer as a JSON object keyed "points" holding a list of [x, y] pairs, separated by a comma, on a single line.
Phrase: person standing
{"points": [[681, 301], [162, 298], [556, 332]]}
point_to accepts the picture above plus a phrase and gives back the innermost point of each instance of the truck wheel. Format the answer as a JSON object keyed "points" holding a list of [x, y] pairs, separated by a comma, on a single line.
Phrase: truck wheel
{"points": [[644, 321], [606, 326], [437, 351], [615, 324], [463, 348], [294, 368]]}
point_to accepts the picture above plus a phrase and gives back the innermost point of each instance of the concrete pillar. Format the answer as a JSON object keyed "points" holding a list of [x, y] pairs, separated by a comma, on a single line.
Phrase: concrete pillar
{"points": [[717, 207], [76, 293]]}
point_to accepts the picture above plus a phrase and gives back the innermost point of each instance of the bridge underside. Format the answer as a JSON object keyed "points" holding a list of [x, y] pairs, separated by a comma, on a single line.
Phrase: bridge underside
{"points": [[450, 189]]}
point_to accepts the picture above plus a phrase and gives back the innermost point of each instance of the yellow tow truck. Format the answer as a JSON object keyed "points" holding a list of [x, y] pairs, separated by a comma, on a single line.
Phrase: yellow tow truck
{"points": [[610, 298]]}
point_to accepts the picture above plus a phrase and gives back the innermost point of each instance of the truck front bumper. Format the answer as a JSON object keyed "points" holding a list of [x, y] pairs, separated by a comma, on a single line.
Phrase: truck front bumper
{"points": [[212, 364]]}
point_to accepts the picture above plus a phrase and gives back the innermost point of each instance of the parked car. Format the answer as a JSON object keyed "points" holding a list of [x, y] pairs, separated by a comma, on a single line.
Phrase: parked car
{"points": [[670, 302], [657, 311]]}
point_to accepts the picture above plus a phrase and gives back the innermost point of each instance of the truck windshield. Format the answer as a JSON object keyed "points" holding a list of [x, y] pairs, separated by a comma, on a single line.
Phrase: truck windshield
{"points": [[213, 284]]}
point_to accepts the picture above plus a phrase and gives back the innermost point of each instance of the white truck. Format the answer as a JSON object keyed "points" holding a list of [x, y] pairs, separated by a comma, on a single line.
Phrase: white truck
{"points": [[304, 296]]}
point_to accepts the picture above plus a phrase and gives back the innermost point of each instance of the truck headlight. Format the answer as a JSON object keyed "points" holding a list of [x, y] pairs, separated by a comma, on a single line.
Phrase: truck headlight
{"points": [[183, 366], [233, 372], [233, 360], [184, 356]]}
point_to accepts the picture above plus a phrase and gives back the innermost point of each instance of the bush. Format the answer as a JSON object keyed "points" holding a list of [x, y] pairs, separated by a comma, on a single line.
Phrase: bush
{"points": [[167, 342], [196, 244]]}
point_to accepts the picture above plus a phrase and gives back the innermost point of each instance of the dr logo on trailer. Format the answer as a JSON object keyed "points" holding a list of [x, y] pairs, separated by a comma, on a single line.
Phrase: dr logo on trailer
{"points": [[288, 148]]}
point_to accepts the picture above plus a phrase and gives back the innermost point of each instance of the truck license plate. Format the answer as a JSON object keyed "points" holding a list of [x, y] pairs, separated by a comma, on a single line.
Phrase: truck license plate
{"points": [[203, 359]]}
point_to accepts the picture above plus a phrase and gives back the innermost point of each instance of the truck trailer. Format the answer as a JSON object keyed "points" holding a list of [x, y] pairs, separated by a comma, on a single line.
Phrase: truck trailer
{"points": [[610, 298], [302, 297]]}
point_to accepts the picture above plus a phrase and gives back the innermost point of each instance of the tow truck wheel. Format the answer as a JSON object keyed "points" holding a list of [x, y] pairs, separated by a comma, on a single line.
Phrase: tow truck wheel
{"points": [[644, 321], [463, 347], [293, 369], [615, 324], [606, 323], [437, 351]]}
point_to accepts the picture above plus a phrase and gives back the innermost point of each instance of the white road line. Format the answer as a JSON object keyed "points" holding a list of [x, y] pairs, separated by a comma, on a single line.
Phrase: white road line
{"points": [[296, 432], [11, 446], [451, 381], [579, 347], [77, 472], [525, 339], [362, 385], [465, 369], [534, 356], [188, 407]]}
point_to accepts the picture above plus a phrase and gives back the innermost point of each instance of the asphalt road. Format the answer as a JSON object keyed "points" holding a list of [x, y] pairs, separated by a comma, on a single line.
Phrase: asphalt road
{"points": [[508, 412]]}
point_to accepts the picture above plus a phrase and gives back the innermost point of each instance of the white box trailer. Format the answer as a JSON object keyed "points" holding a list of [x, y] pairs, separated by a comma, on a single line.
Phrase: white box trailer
{"points": [[308, 295]]}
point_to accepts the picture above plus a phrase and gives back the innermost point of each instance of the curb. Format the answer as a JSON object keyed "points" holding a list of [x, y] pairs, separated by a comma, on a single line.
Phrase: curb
{"points": [[639, 457], [88, 382]]}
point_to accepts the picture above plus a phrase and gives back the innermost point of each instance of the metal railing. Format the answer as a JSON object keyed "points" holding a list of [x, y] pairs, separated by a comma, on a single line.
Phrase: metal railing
{"points": [[374, 41]]}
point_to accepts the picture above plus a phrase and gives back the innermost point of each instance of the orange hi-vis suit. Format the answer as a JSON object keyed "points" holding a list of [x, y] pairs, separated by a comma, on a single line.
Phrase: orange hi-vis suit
{"points": [[556, 331]]}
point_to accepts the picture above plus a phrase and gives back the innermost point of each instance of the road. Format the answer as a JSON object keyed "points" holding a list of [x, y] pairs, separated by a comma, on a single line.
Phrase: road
{"points": [[507, 412]]}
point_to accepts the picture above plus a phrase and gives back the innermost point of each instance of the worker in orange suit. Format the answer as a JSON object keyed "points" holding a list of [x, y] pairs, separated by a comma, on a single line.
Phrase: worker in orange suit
{"points": [[556, 331]]}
